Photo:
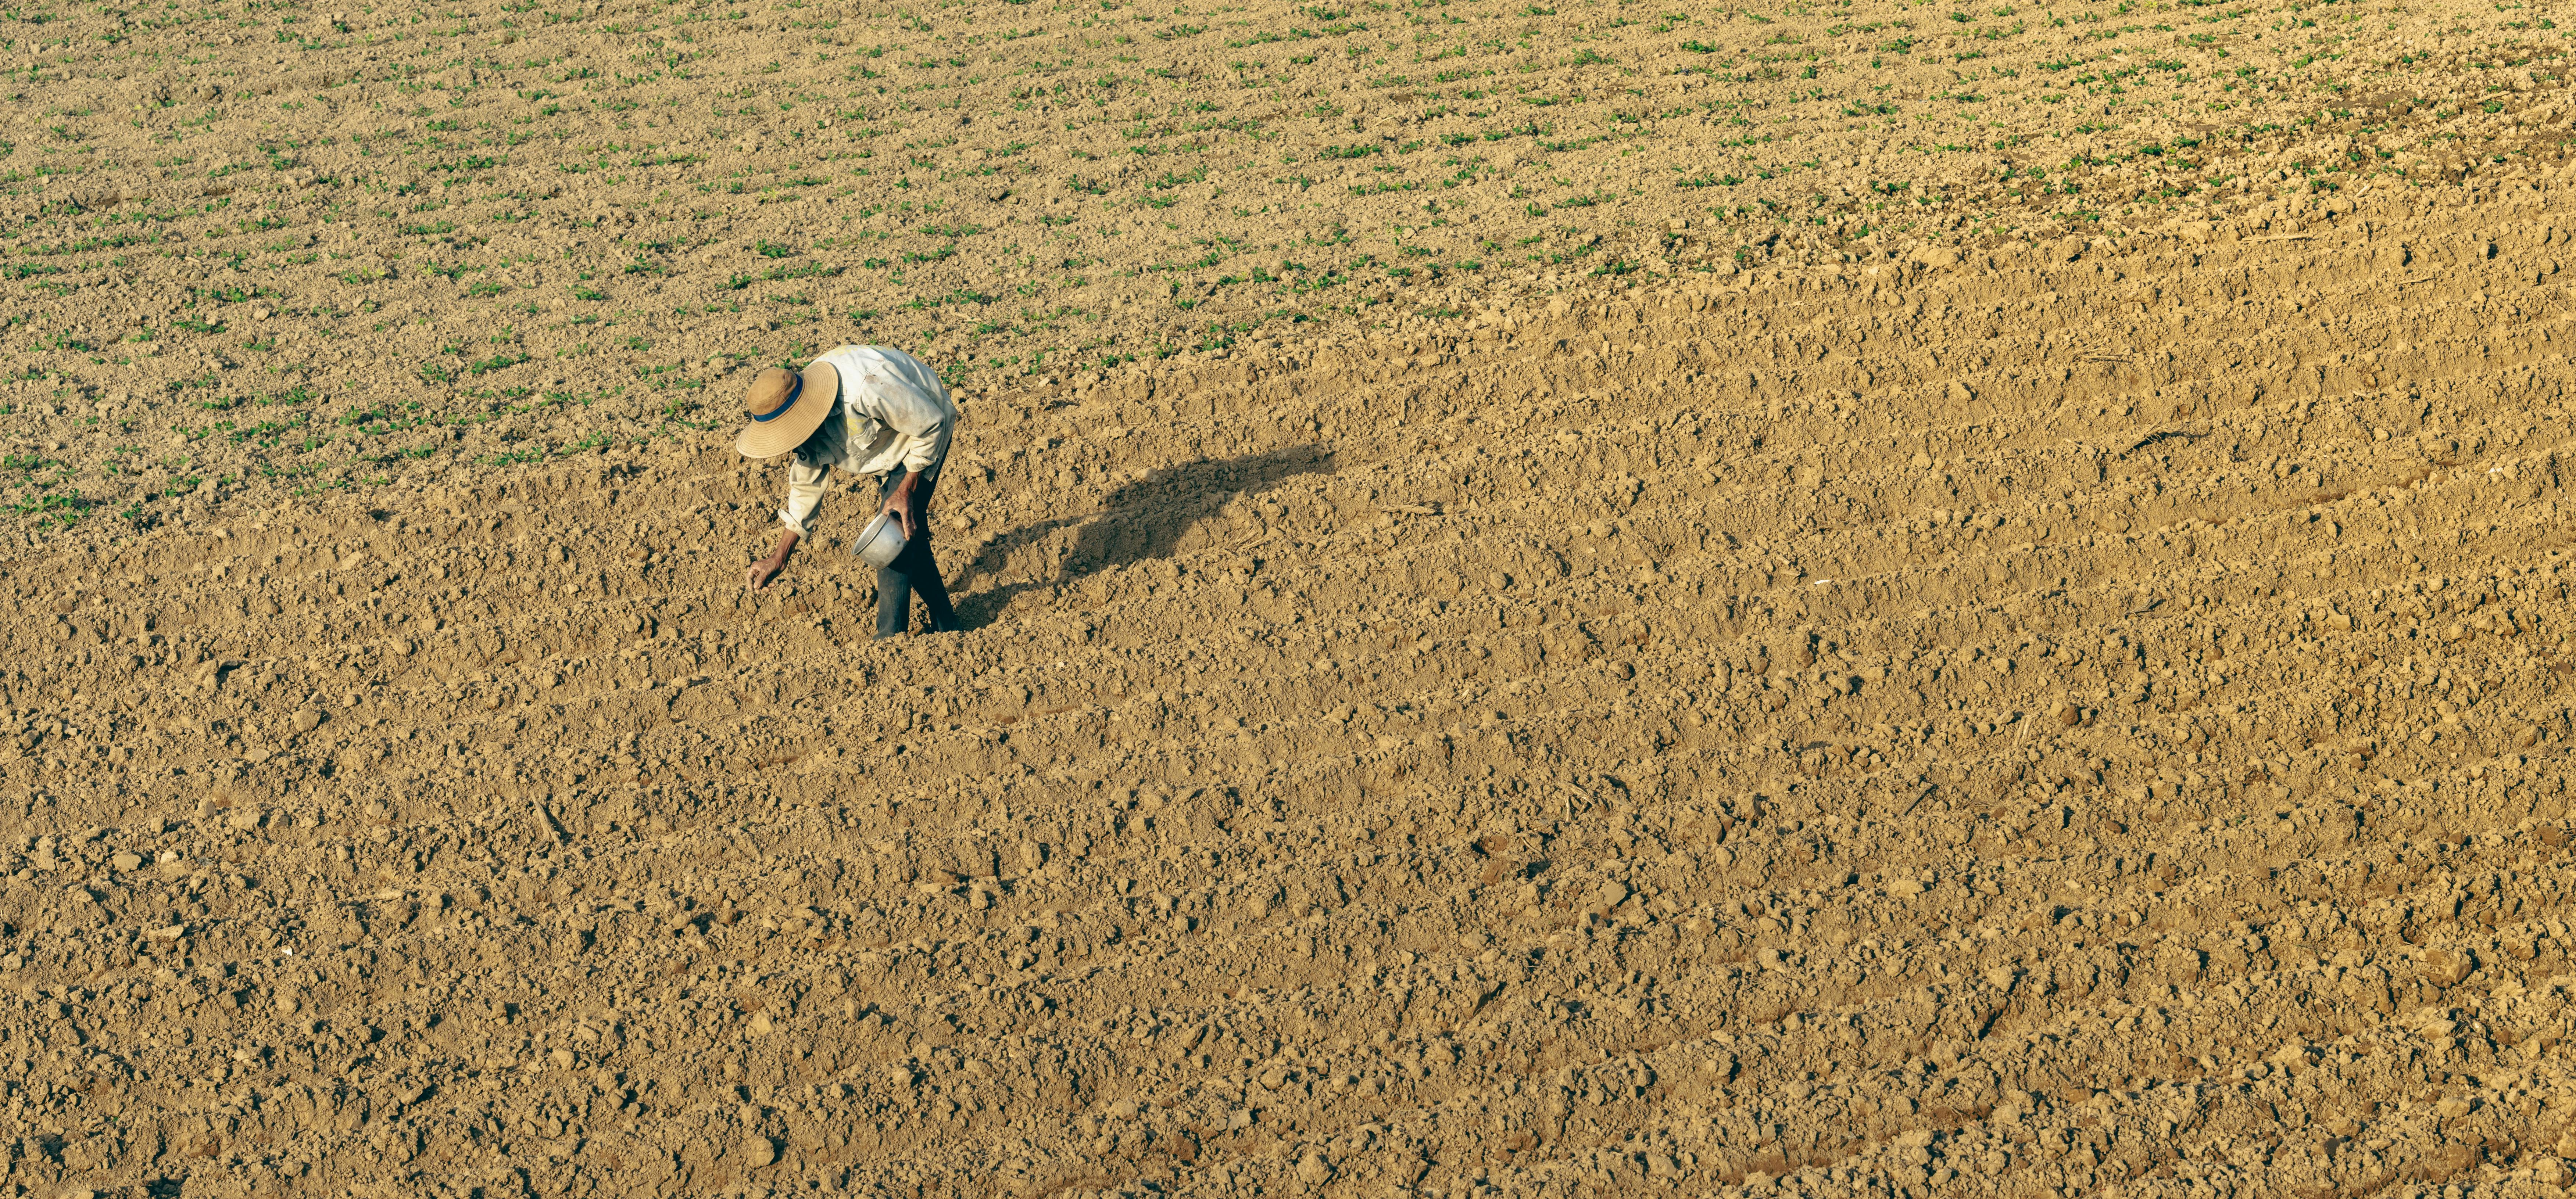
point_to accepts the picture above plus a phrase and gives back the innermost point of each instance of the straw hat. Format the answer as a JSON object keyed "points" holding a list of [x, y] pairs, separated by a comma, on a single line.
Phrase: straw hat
{"points": [[786, 407]]}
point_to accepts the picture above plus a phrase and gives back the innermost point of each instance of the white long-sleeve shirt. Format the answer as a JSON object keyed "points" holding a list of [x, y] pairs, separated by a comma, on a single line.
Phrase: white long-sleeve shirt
{"points": [[894, 414]]}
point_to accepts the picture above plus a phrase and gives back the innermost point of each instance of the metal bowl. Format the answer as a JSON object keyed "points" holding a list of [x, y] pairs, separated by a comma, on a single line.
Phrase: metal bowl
{"points": [[880, 541]]}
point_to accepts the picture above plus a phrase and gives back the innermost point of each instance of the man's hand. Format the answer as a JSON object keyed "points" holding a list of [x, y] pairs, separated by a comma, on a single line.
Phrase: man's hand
{"points": [[761, 572], [907, 504]]}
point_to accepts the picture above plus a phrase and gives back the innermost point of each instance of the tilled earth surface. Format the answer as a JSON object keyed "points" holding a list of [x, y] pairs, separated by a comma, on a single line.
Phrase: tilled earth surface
{"points": [[1862, 601], [2038, 727]]}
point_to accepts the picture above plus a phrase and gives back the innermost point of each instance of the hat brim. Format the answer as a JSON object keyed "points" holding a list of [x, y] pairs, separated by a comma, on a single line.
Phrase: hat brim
{"points": [[786, 431]]}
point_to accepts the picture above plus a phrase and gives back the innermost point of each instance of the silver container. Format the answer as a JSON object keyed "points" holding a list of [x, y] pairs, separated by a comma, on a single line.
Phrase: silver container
{"points": [[881, 541]]}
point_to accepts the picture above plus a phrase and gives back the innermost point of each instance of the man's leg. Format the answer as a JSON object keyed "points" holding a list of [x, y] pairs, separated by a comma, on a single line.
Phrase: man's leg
{"points": [[894, 600], [912, 570], [894, 584], [923, 572]]}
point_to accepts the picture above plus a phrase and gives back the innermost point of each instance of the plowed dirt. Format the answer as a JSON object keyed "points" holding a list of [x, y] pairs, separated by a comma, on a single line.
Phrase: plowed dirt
{"points": [[2066, 704]]}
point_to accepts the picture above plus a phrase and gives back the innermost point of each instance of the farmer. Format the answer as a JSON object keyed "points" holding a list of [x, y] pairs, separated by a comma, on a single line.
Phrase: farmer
{"points": [[869, 411]]}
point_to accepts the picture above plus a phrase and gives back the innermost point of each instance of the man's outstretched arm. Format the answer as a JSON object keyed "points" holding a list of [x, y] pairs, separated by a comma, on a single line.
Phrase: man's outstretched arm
{"points": [[804, 494]]}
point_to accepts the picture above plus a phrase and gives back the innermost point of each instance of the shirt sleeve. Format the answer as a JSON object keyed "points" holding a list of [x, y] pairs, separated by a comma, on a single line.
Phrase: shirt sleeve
{"points": [[804, 494], [929, 446]]}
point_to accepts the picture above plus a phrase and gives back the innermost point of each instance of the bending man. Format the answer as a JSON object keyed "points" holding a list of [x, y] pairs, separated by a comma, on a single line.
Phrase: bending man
{"points": [[869, 411]]}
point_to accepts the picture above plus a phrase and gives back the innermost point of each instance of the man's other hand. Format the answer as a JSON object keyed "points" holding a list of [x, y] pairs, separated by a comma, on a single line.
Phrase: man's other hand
{"points": [[761, 572]]}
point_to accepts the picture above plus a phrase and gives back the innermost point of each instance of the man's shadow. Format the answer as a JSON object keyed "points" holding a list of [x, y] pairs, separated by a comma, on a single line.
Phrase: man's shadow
{"points": [[1141, 521]]}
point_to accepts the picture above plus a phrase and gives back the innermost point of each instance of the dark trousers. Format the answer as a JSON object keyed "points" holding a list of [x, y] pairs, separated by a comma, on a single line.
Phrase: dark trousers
{"points": [[913, 570]]}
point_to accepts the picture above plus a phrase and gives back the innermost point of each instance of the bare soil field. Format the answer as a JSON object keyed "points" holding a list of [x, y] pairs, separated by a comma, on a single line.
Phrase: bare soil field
{"points": [[1590, 600]]}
